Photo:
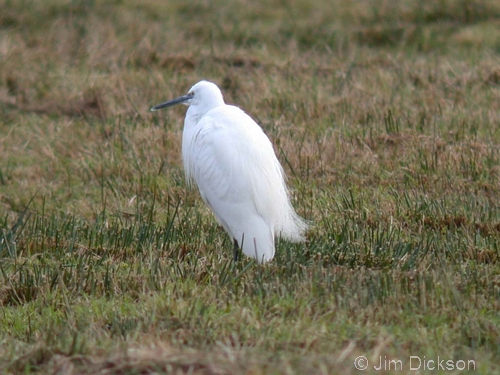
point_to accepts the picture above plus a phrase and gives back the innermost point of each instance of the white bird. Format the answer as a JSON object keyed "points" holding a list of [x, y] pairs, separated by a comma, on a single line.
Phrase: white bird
{"points": [[233, 164]]}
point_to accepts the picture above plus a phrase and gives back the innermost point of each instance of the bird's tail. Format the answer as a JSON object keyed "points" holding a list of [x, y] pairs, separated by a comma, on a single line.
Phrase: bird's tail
{"points": [[292, 227]]}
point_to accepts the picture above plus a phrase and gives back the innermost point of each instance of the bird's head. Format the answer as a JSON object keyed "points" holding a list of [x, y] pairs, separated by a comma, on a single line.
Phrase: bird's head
{"points": [[204, 96]]}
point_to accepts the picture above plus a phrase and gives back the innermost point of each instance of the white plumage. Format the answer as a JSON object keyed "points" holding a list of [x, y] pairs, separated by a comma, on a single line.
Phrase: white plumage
{"points": [[233, 164]]}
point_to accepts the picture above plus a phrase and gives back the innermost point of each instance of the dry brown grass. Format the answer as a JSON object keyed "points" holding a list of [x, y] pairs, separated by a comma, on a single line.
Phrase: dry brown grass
{"points": [[386, 117]]}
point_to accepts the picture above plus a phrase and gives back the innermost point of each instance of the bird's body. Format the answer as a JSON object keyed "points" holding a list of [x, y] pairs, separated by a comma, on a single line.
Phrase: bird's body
{"points": [[233, 164]]}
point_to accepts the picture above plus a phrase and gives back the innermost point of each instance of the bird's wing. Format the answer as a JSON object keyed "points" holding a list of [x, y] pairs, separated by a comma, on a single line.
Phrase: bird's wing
{"points": [[233, 163], [233, 160]]}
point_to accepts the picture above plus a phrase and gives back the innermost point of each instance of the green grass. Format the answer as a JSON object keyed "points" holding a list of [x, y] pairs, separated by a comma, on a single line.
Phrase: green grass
{"points": [[386, 117]]}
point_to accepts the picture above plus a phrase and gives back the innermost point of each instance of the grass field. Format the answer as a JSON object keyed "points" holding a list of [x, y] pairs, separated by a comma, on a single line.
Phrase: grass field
{"points": [[386, 117]]}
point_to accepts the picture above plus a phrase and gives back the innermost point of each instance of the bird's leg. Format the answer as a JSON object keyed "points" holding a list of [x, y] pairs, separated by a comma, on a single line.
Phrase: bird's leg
{"points": [[236, 250]]}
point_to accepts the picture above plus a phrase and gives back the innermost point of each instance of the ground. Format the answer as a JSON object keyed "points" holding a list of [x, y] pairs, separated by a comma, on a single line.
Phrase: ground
{"points": [[386, 117]]}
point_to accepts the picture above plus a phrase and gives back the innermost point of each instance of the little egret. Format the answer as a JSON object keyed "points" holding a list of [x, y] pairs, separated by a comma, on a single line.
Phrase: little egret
{"points": [[233, 164]]}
